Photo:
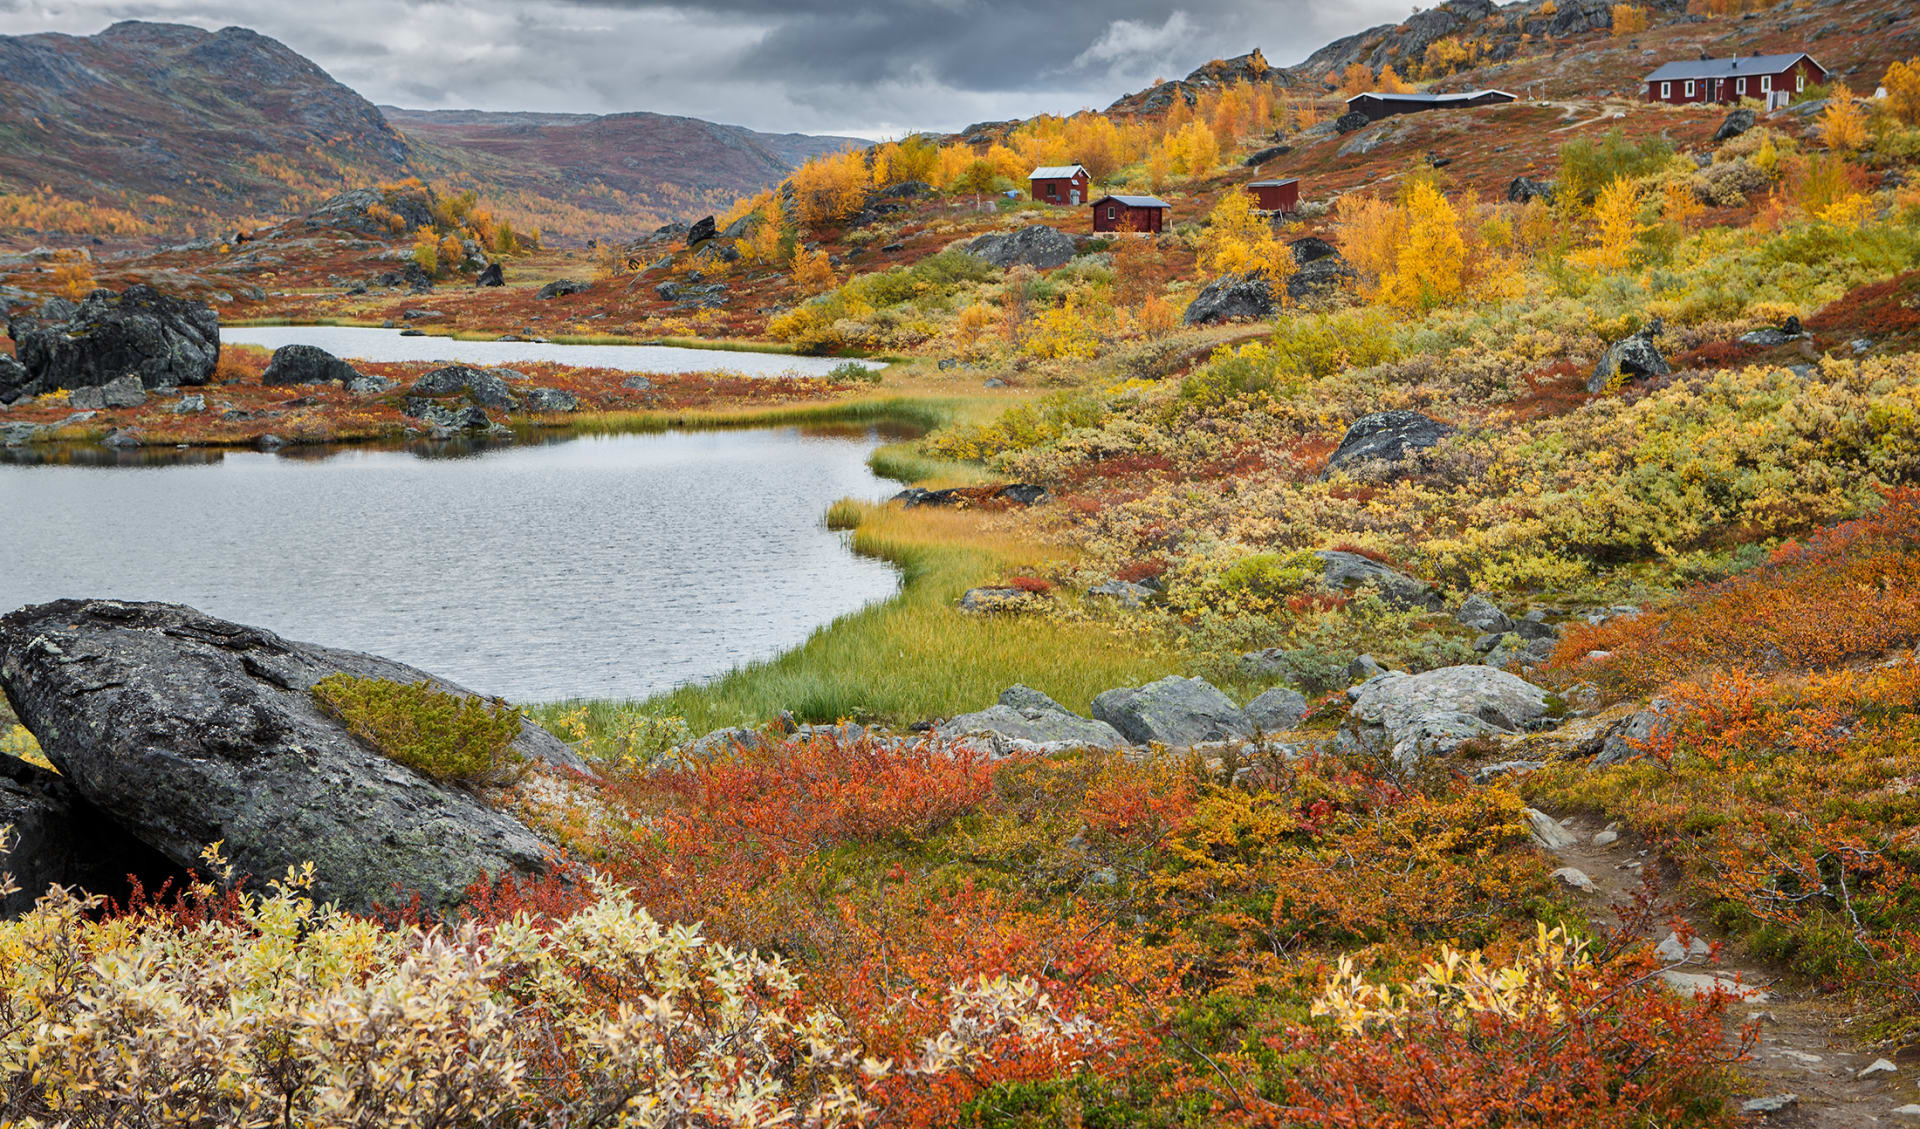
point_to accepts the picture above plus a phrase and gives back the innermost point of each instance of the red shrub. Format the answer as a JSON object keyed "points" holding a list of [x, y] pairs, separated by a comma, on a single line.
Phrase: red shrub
{"points": [[1033, 584]]}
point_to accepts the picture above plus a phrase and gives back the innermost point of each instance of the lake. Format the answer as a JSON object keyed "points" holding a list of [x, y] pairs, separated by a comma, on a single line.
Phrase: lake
{"points": [[356, 343], [592, 567]]}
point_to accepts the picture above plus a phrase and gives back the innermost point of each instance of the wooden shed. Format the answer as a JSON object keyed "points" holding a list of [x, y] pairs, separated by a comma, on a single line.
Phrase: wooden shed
{"points": [[1276, 195], [1060, 184], [1729, 80], [1376, 105], [1130, 213]]}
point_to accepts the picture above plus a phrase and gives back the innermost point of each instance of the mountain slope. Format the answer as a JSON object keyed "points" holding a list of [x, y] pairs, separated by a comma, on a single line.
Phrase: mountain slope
{"points": [[229, 123]]}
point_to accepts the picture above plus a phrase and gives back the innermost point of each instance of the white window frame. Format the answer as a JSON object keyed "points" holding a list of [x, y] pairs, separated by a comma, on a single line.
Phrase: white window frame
{"points": [[1799, 81], [1666, 90], [1112, 212], [1766, 83], [1689, 88], [1740, 87]]}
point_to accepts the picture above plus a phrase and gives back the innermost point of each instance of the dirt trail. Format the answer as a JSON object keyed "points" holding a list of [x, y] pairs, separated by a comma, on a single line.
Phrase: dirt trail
{"points": [[1800, 1049]]}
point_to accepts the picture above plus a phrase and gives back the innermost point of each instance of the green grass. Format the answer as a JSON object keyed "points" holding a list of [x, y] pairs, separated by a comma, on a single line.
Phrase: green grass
{"points": [[915, 656], [919, 414]]}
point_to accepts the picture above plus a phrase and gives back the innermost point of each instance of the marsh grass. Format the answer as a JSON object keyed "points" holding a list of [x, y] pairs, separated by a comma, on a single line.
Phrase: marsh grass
{"points": [[916, 656]]}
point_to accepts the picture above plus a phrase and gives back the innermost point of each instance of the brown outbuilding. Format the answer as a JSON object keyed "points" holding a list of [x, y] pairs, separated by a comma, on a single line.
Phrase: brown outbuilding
{"points": [[1060, 184], [1146, 214], [1276, 195]]}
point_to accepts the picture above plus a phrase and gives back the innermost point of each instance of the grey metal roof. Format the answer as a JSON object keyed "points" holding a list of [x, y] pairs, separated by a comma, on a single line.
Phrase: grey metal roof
{"points": [[1136, 201], [1462, 96], [1272, 183], [1727, 68], [1055, 172]]}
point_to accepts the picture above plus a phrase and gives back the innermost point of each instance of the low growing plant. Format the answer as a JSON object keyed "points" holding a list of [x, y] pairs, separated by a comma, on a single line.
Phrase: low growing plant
{"points": [[449, 737]]}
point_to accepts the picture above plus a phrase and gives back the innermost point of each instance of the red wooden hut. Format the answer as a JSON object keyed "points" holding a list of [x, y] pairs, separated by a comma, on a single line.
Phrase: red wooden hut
{"points": [[1060, 184], [1130, 213], [1276, 195], [1729, 80]]}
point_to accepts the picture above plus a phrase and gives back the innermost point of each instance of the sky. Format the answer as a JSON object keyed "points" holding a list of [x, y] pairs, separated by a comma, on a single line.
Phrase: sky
{"points": [[869, 68]]}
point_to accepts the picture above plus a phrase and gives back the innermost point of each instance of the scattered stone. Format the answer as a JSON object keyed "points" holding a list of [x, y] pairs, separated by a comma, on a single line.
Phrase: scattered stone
{"points": [[1026, 720], [1177, 712], [702, 230], [1487, 773], [440, 417], [167, 342], [1547, 831], [1907, 1111], [638, 384], [989, 599], [1605, 838], [1364, 669], [1706, 983], [1122, 592], [491, 275], [124, 392], [413, 333], [184, 729], [1022, 493], [1625, 741], [1481, 614], [1232, 297], [369, 384], [13, 379], [1771, 336], [269, 442], [560, 288], [1522, 189], [1344, 572], [1277, 710], [1877, 1066], [122, 438], [551, 400], [1632, 357], [1673, 952], [1770, 1105], [481, 386], [1036, 245], [1319, 276], [306, 364], [1350, 121], [1735, 124], [1575, 878], [1385, 438], [1255, 160], [189, 405]]}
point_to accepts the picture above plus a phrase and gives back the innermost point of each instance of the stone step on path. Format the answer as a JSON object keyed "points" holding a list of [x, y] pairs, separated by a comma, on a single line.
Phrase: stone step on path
{"points": [[1803, 1071]]}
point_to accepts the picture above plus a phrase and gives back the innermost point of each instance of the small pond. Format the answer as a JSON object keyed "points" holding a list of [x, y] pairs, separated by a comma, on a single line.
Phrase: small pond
{"points": [[594, 567], [357, 343]]}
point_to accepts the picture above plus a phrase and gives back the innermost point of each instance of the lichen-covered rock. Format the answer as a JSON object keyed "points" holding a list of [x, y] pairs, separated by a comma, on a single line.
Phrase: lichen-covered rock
{"points": [[1026, 720], [167, 342], [1232, 297], [184, 729], [485, 388], [551, 400], [1385, 438], [1344, 572], [125, 392], [1736, 123], [1036, 245], [1277, 710], [1175, 711], [1480, 614], [560, 288], [1630, 358], [1407, 716]]}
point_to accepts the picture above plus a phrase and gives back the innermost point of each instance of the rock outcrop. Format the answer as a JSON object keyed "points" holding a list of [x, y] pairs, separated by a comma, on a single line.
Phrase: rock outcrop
{"points": [[58, 839], [1385, 438], [1345, 572], [1736, 123], [306, 364], [485, 388], [560, 288], [166, 342], [1036, 245], [1630, 358], [491, 275], [183, 729], [1232, 297], [1177, 712]]}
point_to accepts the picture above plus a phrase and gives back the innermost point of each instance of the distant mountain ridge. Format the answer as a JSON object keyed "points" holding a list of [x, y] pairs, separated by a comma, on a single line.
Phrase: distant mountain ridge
{"points": [[188, 127]]}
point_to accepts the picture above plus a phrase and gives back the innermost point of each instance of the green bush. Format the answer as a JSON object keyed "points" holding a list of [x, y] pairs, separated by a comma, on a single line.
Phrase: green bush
{"points": [[853, 372], [448, 737], [1587, 166]]}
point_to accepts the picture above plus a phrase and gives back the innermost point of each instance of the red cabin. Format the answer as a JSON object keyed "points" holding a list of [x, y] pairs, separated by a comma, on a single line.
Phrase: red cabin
{"points": [[1147, 214], [1276, 195], [1766, 77], [1060, 184]]}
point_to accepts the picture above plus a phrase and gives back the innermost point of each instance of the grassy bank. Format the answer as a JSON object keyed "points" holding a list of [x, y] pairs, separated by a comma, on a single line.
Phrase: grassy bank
{"points": [[917, 656]]}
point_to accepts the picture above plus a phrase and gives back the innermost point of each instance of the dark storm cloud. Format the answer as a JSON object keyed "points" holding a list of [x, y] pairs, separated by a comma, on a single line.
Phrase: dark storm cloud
{"points": [[813, 65]]}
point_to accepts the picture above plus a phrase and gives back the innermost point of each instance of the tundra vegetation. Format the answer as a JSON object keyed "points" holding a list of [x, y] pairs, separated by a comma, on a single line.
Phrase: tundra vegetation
{"points": [[835, 929]]}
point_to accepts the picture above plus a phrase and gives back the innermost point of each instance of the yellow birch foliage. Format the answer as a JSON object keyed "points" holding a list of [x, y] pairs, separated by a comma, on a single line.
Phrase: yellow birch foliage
{"points": [[1903, 90], [1843, 124], [1616, 215], [812, 272], [829, 188], [1239, 240]]}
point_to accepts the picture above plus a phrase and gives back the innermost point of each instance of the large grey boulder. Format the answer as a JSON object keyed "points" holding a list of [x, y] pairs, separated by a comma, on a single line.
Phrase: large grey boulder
{"points": [[1629, 358], [1174, 711], [1627, 740], [1319, 275], [1736, 123], [560, 288], [1407, 716], [1385, 438], [306, 364], [1481, 614], [125, 392], [1232, 297], [1026, 720], [1523, 189], [13, 379], [485, 388], [58, 839], [1277, 710], [184, 729], [1345, 572], [1036, 245], [552, 400], [167, 342]]}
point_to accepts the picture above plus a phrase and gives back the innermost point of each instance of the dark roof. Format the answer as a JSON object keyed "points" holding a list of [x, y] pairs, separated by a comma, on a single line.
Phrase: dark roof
{"points": [[1437, 99], [1728, 68], [1273, 183], [1136, 201]]}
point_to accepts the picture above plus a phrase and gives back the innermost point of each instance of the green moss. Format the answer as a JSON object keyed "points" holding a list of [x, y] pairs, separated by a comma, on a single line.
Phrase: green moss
{"points": [[448, 737]]}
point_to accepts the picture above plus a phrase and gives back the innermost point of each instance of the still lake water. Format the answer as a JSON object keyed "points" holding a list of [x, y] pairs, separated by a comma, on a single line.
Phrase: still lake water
{"points": [[358, 343], [595, 567]]}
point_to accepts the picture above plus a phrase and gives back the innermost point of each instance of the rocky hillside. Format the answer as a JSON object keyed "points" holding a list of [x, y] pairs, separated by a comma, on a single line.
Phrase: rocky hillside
{"points": [[164, 128], [227, 123]]}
